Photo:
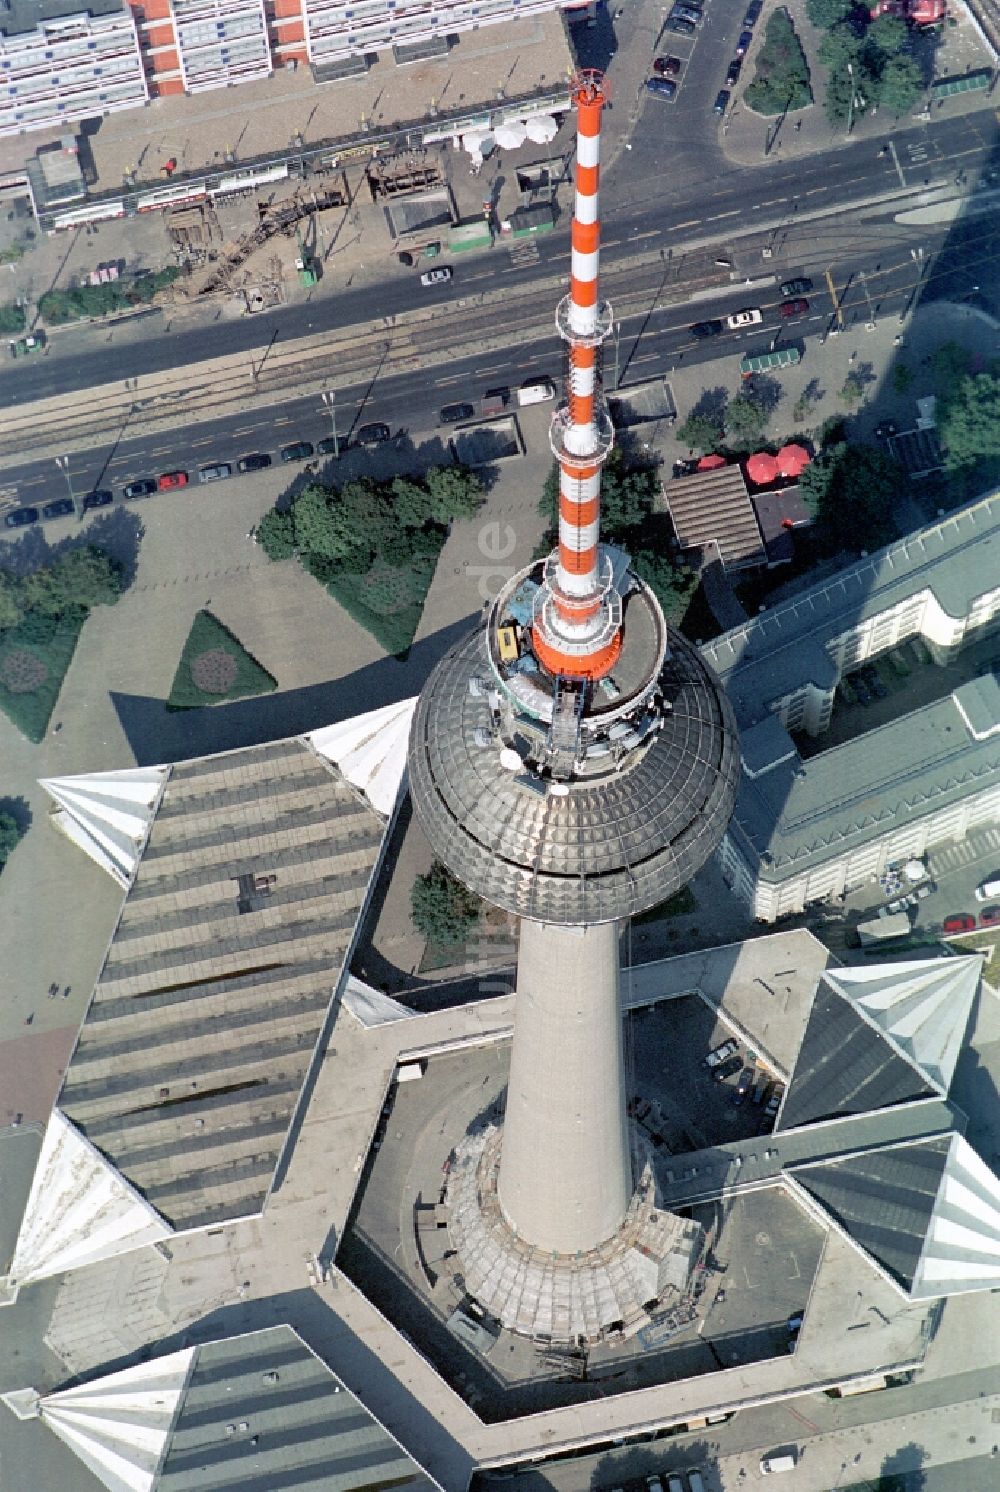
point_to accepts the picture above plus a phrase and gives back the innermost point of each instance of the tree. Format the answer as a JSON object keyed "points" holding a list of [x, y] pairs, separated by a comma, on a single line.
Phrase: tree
{"points": [[672, 586], [83, 578], [276, 534], [11, 608], [781, 80], [888, 33], [700, 432], [443, 910], [828, 13], [851, 391], [900, 85], [853, 492], [745, 419], [951, 363], [11, 318], [410, 503], [969, 422], [455, 492], [10, 834], [902, 378], [347, 530]]}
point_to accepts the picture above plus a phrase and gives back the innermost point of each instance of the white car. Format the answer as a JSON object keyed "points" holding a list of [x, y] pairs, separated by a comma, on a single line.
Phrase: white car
{"points": [[720, 1053], [751, 316], [439, 276]]}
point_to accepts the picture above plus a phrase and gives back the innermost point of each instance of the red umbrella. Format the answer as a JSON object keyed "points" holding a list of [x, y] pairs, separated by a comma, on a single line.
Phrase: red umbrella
{"points": [[711, 463], [762, 468], [793, 460]]}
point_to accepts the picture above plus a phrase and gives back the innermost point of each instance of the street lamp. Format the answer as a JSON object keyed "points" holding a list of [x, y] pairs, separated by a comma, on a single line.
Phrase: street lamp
{"points": [[63, 464], [618, 332], [871, 309], [329, 398], [850, 106]]}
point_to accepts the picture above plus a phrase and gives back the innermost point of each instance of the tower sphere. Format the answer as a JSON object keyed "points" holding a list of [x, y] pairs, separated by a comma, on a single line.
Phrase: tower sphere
{"points": [[603, 823]]}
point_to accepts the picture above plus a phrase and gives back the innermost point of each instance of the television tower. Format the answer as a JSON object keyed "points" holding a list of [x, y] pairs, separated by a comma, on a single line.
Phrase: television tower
{"points": [[575, 763]]}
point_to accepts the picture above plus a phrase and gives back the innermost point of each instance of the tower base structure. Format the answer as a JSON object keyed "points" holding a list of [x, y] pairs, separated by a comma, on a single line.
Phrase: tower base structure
{"points": [[642, 1276]]}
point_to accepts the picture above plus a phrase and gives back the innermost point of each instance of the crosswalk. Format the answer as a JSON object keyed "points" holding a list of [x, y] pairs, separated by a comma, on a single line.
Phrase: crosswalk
{"points": [[979, 845]]}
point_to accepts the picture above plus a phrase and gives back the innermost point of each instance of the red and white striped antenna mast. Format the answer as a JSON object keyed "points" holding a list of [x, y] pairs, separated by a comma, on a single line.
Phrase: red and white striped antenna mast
{"points": [[576, 631]]}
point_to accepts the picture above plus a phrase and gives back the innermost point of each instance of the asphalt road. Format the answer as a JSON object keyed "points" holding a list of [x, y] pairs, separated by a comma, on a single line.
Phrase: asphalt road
{"points": [[709, 200]]}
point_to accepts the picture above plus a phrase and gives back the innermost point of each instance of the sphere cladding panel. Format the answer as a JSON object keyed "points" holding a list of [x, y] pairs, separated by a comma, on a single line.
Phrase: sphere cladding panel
{"points": [[603, 851]]}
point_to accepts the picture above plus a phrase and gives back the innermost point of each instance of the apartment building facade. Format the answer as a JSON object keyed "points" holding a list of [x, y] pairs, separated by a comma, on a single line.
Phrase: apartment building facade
{"points": [[809, 829]]}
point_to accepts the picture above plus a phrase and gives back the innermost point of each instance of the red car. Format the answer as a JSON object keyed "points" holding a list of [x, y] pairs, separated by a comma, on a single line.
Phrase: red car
{"points": [[790, 308], [668, 67], [171, 479], [989, 917], [959, 922]]}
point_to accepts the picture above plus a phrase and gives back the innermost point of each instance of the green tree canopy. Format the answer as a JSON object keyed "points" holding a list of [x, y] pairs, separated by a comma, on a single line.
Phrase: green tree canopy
{"points": [[455, 492], [853, 491], [828, 13], [11, 607], [10, 834], [969, 422], [745, 420], [781, 79], [889, 34], [276, 534], [83, 578], [700, 432], [673, 587], [900, 84], [443, 910]]}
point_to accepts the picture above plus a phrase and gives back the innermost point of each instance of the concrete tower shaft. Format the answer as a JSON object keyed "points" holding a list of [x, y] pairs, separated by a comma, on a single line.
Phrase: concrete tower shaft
{"points": [[577, 629]]}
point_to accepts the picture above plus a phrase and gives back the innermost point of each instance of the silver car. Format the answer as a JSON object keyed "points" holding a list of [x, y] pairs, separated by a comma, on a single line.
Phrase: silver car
{"points": [[217, 473]]}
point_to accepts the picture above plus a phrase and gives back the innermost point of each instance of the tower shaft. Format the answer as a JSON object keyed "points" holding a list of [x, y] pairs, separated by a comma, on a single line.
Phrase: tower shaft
{"points": [[565, 1176]]}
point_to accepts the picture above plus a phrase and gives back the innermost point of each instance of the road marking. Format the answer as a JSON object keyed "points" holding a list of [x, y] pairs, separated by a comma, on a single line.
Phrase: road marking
{"points": [[692, 223]]}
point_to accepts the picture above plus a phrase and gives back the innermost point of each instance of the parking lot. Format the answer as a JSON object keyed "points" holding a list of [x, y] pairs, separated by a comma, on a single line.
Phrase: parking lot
{"points": [[685, 1105]]}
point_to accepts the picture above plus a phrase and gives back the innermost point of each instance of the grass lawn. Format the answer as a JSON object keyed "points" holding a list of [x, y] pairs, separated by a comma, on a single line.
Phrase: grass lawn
{"points": [[32, 668], [215, 667], [387, 600]]}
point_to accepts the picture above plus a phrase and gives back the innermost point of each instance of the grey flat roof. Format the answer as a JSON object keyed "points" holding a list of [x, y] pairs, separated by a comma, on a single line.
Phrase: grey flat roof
{"points": [[304, 1431], [845, 1066], [883, 1199], [19, 16], [214, 989], [784, 648], [798, 814]]}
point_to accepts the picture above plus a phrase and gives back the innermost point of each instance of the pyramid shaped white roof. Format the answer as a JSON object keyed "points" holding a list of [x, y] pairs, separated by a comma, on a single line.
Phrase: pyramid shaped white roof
{"points": [[119, 1425], [370, 1006], [921, 1007], [108, 814], [961, 1250], [79, 1210], [370, 751]]}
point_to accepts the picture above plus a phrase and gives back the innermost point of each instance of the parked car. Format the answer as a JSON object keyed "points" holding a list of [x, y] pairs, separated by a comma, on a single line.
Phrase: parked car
{"points": [[989, 888], [706, 328], [790, 308], [172, 479], [217, 472], [439, 275], [743, 45], [141, 487], [721, 1052], [679, 26], [743, 1085], [664, 87], [453, 414], [374, 434], [800, 286], [721, 101], [256, 461], [959, 922], [989, 917], [299, 450], [726, 1069], [99, 498], [330, 447], [687, 13], [749, 316], [733, 72], [59, 507], [753, 14], [20, 517], [774, 1101], [669, 67], [495, 401]]}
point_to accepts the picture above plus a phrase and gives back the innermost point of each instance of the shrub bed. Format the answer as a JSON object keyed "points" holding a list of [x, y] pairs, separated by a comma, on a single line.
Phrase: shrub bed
{"points": [[215, 667]]}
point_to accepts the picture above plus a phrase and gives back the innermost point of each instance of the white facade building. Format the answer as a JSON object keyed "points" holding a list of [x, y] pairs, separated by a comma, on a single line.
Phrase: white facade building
{"points": [[810, 829], [73, 67]]}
